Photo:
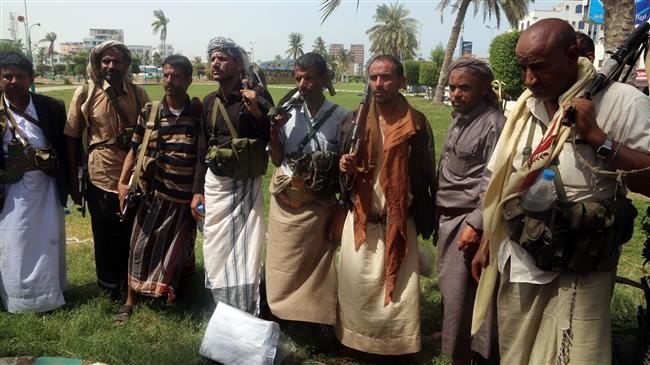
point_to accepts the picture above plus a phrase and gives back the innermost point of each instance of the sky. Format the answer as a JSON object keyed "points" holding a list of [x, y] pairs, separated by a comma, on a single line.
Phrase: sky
{"points": [[262, 26]]}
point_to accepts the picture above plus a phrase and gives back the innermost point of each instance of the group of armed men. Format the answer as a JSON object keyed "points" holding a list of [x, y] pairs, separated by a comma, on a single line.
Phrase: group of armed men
{"points": [[363, 185]]}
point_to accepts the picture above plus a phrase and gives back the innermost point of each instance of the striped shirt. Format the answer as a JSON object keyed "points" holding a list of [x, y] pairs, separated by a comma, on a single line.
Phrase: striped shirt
{"points": [[176, 139]]}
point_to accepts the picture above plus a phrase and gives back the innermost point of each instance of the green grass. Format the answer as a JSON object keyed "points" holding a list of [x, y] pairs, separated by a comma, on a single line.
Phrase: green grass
{"points": [[162, 334]]}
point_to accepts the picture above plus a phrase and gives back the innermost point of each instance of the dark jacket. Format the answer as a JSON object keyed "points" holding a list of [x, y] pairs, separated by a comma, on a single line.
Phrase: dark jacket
{"points": [[51, 117]]}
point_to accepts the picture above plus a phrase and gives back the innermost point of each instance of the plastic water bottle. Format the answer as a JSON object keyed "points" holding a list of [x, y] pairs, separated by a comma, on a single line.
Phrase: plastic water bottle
{"points": [[200, 208], [541, 194]]}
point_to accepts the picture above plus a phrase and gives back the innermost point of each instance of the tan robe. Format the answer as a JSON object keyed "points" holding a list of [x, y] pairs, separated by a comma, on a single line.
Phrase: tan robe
{"points": [[364, 323], [300, 271]]}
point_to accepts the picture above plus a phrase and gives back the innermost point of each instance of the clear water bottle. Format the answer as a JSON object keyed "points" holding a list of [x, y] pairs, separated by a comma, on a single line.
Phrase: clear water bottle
{"points": [[541, 194], [200, 208]]}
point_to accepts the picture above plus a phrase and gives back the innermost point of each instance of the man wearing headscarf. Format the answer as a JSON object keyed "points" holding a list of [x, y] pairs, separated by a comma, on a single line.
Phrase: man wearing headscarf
{"points": [[236, 127], [101, 118], [462, 180]]}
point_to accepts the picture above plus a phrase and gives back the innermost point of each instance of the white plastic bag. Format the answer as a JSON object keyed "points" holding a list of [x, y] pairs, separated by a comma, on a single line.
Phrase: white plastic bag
{"points": [[235, 337]]}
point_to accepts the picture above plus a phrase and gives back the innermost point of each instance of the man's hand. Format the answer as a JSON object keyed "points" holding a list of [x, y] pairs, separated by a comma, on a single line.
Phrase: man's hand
{"points": [[250, 97], [197, 199], [468, 238], [586, 125], [481, 259], [122, 190], [335, 229], [348, 163], [281, 118]]}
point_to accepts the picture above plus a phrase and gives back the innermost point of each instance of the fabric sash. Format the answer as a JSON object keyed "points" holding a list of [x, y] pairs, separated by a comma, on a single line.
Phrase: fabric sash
{"points": [[506, 185], [393, 179]]}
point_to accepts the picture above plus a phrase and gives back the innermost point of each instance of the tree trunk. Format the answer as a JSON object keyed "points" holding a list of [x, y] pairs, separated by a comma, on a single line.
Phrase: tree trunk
{"points": [[619, 22], [449, 52]]}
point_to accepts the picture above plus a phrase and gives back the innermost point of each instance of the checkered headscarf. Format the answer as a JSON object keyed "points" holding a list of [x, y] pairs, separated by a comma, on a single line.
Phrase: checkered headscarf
{"points": [[228, 46]]}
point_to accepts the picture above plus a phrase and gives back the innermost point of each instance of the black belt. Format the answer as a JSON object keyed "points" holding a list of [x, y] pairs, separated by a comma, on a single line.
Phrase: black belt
{"points": [[453, 211], [377, 219]]}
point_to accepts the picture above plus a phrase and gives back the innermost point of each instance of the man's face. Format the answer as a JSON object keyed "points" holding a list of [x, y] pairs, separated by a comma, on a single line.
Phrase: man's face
{"points": [[113, 65], [545, 69], [309, 82], [175, 82], [466, 90], [14, 82], [224, 66], [384, 82]]}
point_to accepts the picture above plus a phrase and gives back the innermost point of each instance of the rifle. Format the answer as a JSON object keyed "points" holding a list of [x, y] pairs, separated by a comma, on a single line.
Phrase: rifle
{"points": [[129, 198], [152, 122], [294, 102], [358, 125], [82, 177], [626, 54]]}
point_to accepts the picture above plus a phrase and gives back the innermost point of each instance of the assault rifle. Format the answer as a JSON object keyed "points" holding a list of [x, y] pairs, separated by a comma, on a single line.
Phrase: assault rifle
{"points": [[358, 125], [626, 54]]}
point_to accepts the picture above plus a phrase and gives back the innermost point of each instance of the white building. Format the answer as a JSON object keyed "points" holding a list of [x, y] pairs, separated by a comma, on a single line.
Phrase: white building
{"points": [[97, 36], [141, 51], [573, 11]]}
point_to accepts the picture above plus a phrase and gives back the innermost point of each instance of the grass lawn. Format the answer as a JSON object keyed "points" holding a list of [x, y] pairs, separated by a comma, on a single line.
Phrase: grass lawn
{"points": [[163, 334]]}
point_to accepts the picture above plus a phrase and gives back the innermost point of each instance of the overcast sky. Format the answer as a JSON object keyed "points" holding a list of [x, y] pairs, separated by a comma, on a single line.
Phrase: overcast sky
{"points": [[262, 25]]}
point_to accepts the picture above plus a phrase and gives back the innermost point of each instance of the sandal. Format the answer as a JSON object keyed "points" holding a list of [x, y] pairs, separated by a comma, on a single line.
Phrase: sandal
{"points": [[123, 314]]}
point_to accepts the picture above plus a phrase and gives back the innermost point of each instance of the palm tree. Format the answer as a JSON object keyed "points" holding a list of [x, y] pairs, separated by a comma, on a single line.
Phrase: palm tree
{"points": [[395, 34], [344, 60], [159, 25], [514, 11], [295, 46], [197, 60], [50, 37], [319, 46]]}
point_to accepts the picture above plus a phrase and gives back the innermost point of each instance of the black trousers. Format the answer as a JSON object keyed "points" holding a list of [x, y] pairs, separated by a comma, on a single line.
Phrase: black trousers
{"points": [[112, 240]]}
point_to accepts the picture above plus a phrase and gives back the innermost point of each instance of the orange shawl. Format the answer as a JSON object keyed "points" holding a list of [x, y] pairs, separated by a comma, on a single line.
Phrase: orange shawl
{"points": [[393, 179]]}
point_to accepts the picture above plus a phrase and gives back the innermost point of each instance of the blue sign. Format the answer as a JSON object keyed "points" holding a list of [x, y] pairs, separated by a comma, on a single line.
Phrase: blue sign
{"points": [[467, 49], [641, 11], [596, 11]]}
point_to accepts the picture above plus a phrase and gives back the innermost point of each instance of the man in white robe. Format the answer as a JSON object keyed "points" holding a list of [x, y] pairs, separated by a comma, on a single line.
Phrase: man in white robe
{"points": [[33, 192]]}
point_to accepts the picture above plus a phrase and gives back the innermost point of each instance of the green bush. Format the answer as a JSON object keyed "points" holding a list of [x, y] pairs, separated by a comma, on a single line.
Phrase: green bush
{"points": [[9, 46], [412, 72], [66, 81], [504, 64], [429, 72]]}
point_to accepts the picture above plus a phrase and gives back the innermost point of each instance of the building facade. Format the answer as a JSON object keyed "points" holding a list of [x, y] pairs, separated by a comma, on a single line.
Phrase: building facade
{"points": [[67, 48], [97, 36]]}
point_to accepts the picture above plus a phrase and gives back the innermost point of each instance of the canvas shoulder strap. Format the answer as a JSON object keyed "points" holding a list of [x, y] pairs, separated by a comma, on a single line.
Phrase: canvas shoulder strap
{"points": [[313, 129], [14, 126], [123, 118], [151, 122], [218, 105]]}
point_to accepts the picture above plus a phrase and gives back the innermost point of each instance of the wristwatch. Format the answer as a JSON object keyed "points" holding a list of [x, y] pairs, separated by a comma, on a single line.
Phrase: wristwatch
{"points": [[605, 150]]}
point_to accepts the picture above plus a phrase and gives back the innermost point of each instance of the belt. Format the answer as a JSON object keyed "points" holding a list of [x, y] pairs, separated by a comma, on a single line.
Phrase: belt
{"points": [[453, 211], [377, 219]]}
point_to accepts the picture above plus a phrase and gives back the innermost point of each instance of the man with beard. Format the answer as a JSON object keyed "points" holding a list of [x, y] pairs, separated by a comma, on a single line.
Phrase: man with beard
{"points": [[393, 199], [162, 243], [104, 112], [302, 237], [237, 133], [462, 180], [33, 192], [554, 267]]}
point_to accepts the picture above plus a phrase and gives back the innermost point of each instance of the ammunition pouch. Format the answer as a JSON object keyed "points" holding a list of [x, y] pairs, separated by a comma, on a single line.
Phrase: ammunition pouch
{"points": [[21, 160], [318, 169], [581, 237], [122, 140], [240, 159]]}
